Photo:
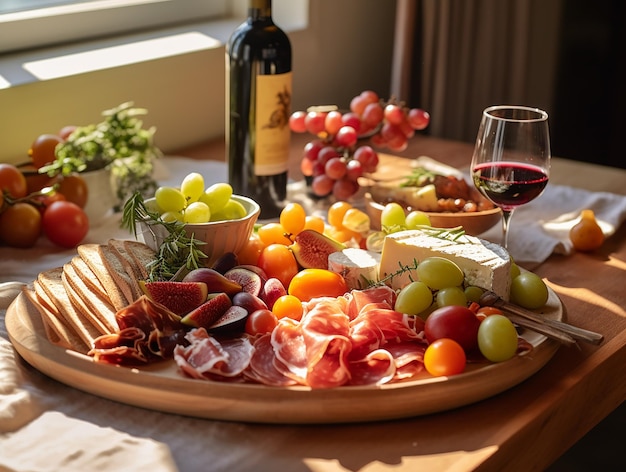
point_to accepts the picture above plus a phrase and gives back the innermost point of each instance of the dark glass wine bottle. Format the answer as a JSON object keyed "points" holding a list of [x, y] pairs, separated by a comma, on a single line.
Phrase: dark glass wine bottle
{"points": [[258, 106]]}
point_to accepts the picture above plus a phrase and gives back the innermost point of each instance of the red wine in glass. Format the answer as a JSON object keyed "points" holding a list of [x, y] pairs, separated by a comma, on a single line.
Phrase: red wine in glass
{"points": [[509, 184]]}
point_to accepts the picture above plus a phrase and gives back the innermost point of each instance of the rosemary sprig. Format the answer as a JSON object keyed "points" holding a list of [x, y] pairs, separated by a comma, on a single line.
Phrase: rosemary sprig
{"points": [[419, 178], [176, 251]]}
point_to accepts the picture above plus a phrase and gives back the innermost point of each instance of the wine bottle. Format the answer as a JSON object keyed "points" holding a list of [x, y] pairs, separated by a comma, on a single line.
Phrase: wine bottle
{"points": [[258, 106]]}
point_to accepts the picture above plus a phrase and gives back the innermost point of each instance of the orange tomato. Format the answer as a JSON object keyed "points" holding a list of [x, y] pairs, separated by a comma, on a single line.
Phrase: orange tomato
{"points": [[336, 212], [251, 252], [313, 283], [74, 189], [12, 181], [42, 150], [20, 225], [278, 261], [273, 233], [288, 306]]}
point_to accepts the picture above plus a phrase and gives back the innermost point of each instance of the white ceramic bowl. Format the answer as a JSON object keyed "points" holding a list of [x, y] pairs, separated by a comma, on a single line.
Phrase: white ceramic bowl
{"points": [[219, 237]]}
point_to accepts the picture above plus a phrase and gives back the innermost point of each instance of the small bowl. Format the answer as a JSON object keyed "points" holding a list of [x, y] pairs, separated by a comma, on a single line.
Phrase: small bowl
{"points": [[219, 237], [474, 223]]}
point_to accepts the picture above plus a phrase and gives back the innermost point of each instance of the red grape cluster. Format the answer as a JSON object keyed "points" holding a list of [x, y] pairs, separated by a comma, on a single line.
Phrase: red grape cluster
{"points": [[335, 160]]}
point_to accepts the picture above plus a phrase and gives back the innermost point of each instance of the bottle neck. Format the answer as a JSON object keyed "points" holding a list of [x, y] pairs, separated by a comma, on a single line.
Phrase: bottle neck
{"points": [[260, 10]]}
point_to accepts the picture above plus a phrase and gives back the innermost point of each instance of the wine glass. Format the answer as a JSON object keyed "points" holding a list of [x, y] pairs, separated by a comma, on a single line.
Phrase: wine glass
{"points": [[511, 160]]}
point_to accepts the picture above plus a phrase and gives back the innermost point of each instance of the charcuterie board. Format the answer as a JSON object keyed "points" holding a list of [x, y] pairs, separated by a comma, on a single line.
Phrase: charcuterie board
{"points": [[161, 387]]}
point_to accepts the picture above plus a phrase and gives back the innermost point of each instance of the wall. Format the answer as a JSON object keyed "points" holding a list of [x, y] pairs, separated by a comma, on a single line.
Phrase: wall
{"points": [[346, 48]]}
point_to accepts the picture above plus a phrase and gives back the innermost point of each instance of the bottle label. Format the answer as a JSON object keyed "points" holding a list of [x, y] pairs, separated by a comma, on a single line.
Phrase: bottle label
{"points": [[272, 133]]}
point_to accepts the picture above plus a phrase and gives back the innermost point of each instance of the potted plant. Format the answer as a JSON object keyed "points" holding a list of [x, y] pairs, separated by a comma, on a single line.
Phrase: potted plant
{"points": [[119, 147]]}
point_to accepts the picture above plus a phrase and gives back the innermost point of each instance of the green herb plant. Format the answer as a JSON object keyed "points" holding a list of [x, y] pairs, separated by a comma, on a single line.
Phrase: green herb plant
{"points": [[119, 143], [177, 253]]}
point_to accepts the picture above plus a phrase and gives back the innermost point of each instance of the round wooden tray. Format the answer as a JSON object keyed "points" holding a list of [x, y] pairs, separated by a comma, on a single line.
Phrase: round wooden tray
{"points": [[161, 387]]}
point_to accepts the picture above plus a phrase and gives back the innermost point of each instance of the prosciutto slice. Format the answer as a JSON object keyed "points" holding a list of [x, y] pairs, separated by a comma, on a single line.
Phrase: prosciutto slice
{"points": [[206, 357]]}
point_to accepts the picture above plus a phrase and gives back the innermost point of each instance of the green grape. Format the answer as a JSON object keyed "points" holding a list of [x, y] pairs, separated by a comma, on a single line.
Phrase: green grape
{"points": [[439, 272], [451, 296], [497, 338], [171, 216], [233, 210], [515, 271], [414, 298], [152, 206], [473, 293], [417, 218], [169, 199], [197, 212], [217, 196], [192, 187], [529, 291], [393, 218]]}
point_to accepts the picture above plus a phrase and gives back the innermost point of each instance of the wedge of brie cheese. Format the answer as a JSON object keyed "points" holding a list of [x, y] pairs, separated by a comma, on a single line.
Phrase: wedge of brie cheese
{"points": [[485, 264], [358, 267]]}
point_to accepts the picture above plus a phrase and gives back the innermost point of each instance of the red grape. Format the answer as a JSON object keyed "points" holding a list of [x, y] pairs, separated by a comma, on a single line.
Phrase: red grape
{"points": [[296, 122], [315, 122], [354, 169], [344, 189], [312, 149], [373, 114], [327, 153], [333, 122], [353, 120], [394, 114], [322, 185], [367, 157], [335, 168], [418, 118], [346, 136]]}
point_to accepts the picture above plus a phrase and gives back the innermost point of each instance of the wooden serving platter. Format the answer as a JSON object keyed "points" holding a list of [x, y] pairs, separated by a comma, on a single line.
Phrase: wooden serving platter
{"points": [[161, 387]]}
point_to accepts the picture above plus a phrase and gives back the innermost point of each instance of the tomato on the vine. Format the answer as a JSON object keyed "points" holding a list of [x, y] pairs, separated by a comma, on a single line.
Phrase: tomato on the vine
{"points": [[42, 149], [444, 357], [65, 224], [20, 225], [74, 188], [12, 181]]}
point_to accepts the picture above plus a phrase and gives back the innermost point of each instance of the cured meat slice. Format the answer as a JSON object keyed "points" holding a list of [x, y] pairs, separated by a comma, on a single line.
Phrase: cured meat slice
{"points": [[206, 356], [358, 299], [408, 358], [377, 368], [289, 348], [263, 367]]}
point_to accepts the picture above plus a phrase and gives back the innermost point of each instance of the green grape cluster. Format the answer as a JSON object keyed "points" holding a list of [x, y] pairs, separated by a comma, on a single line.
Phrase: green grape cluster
{"points": [[195, 203]]}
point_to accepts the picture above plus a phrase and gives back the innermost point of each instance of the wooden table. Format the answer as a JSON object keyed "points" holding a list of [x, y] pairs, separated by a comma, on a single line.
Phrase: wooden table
{"points": [[525, 428]]}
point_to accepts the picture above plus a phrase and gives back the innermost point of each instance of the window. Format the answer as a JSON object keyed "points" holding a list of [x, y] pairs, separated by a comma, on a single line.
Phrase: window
{"points": [[26, 24]]}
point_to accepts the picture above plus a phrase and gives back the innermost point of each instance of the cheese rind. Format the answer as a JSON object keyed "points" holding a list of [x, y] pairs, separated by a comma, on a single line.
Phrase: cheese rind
{"points": [[357, 266], [485, 264]]}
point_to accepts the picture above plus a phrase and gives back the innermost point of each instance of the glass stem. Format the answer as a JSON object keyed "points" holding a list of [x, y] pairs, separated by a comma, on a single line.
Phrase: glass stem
{"points": [[506, 221]]}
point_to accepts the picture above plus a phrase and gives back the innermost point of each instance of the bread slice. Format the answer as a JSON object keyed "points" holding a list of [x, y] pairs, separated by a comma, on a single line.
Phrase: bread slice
{"points": [[93, 256], [89, 278], [142, 254], [100, 312], [129, 264], [58, 330]]}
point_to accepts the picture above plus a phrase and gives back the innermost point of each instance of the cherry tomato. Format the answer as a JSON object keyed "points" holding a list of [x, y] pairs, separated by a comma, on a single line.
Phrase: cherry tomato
{"points": [[65, 132], [293, 218], [20, 225], [455, 322], [314, 222], [44, 201], [278, 261], [251, 252], [65, 224], [444, 357], [336, 212], [12, 181], [260, 322], [288, 306], [41, 151], [273, 233], [74, 188], [313, 283]]}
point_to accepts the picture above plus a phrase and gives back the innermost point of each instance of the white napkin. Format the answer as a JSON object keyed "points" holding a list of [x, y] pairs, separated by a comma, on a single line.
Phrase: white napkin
{"points": [[541, 227], [69, 444]]}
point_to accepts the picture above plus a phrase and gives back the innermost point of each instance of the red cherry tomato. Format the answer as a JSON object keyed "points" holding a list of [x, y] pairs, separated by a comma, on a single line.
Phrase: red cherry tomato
{"points": [[12, 181], [455, 322], [65, 224], [41, 151], [74, 188], [444, 357], [260, 322]]}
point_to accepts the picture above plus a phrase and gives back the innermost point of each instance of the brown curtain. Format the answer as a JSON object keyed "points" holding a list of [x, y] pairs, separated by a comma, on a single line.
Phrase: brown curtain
{"points": [[456, 57]]}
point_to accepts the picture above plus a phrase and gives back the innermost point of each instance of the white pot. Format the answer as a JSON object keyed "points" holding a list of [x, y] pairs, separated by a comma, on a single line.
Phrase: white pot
{"points": [[100, 196]]}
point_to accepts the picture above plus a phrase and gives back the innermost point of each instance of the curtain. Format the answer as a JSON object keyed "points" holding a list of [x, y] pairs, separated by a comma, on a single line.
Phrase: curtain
{"points": [[456, 57]]}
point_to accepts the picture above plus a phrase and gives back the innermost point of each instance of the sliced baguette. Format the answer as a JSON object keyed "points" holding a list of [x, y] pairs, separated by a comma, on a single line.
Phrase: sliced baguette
{"points": [[100, 312], [142, 254], [117, 272], [129, 264], [57, 331], [92, 255], [89, 278]]}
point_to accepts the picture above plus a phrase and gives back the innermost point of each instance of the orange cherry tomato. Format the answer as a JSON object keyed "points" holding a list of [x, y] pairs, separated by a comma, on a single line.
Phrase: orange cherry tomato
{"points": [[41, 151], [444, 357], [313, 283], [336, 212], [278, 261], [273, 233], [293, 218], [12, 181], [251, 252], [20, 225], [288, 306], [315, 223]]}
